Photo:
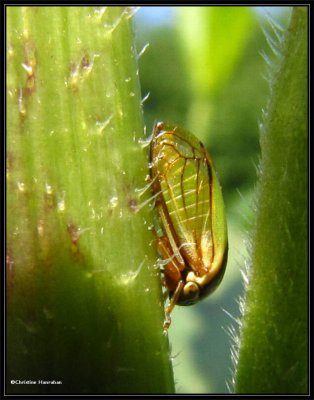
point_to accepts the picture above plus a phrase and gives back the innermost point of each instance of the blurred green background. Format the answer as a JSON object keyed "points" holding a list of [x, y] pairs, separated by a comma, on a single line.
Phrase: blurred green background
{"points": [[204, 70]]}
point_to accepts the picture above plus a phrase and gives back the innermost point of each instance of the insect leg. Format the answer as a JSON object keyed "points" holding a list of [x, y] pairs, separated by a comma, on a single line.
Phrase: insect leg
{"points": [[172, 276], [171, 305]]}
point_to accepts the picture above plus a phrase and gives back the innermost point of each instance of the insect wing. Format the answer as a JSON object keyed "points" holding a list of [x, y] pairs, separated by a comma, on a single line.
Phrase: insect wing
{"points": [[190, 203]]}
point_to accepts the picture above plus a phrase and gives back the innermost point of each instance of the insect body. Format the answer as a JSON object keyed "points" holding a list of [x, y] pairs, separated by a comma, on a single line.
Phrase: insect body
{"points": [[193, 236]]}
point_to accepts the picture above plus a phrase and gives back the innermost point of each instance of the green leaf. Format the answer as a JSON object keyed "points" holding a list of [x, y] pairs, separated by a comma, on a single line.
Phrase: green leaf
{"points": [[210, 54], [213, 42], [273, 354], [84, 296]]}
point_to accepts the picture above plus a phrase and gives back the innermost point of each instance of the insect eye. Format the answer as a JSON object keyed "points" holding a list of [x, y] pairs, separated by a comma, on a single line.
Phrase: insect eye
{"points": [[191, 291]]}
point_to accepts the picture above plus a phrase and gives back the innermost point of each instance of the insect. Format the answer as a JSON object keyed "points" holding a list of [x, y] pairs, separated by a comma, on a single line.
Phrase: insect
{"points": [[192, 232]]}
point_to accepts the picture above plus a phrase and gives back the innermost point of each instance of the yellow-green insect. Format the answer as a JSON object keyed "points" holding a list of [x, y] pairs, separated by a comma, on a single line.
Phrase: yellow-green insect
{"points": [[193, 236]]}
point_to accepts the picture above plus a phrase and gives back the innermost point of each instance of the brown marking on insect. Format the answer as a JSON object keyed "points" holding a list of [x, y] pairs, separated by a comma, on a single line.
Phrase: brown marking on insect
{"points": [[173, 269]]}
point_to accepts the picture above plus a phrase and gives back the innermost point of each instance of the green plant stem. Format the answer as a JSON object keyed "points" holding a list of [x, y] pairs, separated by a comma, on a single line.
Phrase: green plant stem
{"points": [[274, 334], [84, 303]]}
